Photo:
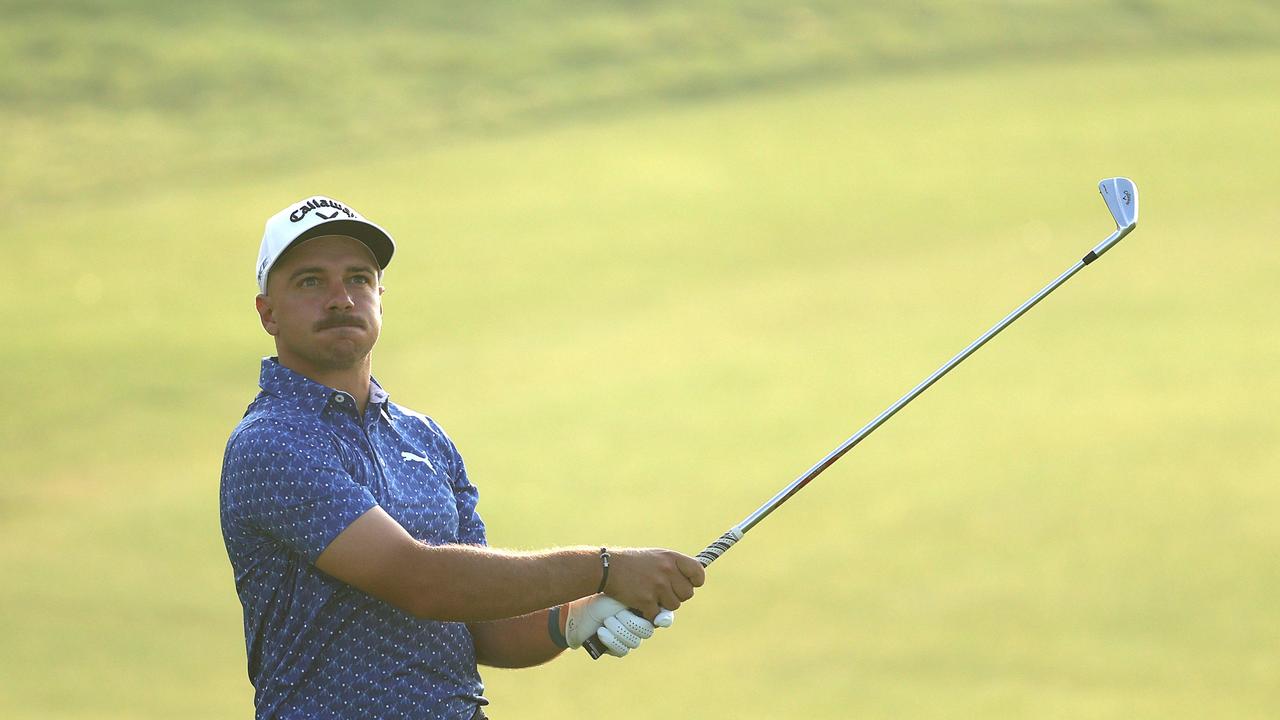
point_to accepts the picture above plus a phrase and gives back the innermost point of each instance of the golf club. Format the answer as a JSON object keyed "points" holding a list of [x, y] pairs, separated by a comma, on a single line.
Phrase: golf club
{"points": [[1121, 196]]}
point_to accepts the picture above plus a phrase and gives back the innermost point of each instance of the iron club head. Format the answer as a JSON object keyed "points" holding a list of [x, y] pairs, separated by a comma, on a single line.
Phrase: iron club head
{"points": [[1122, 200]]}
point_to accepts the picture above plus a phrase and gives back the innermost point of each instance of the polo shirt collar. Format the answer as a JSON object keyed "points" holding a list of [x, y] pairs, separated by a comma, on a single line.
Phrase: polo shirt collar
{"points": [[377, 396]]}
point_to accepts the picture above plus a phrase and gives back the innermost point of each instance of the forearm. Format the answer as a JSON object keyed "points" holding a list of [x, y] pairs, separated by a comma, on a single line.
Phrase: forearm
{"points": [[477, 584], [515, 642]]}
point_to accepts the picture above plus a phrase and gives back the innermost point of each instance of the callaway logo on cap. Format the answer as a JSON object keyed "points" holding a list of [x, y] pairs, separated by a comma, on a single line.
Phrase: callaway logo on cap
{"points": [[313, 217]]}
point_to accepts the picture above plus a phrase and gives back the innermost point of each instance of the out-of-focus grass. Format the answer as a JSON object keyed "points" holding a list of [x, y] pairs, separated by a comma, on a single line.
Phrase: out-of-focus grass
{"points": [[106, 97], [688, 303]]}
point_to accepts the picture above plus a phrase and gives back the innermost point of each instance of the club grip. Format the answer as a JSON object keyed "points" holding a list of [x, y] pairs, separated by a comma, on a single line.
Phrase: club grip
{"points": [[712, 552], [594, 647], [709, 554]]}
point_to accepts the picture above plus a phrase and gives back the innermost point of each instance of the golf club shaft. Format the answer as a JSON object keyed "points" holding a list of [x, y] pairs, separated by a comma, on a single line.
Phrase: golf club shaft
{"points": [[718, 548], [713, 551], [1122, 200], [1121, 196]]}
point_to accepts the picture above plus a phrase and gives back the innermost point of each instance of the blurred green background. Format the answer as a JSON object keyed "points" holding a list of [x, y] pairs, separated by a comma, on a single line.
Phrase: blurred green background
{"points": [[663, 256]]}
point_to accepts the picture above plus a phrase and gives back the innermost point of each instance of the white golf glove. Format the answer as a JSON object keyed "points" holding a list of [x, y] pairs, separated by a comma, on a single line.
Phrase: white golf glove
{"points": [[618, 628]]}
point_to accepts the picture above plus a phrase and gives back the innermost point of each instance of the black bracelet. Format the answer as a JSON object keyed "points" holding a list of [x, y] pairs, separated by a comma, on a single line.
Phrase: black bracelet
{"points": [[604, 564], [553, 628]]}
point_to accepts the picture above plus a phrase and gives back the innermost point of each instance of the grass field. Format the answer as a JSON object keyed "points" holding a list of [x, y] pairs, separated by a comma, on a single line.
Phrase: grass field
{"points": [[678, 252]]}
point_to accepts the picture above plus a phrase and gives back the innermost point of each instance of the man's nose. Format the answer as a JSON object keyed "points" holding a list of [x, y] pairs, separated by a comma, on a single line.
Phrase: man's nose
{"points": [[340, 298]]}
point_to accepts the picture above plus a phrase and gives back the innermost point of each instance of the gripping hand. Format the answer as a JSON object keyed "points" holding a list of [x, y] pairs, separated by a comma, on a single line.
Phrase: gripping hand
{"points": [[620, 630]]}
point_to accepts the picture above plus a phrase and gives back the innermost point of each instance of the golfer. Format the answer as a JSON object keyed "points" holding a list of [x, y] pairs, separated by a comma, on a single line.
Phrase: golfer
{"points": [[351, 524]]}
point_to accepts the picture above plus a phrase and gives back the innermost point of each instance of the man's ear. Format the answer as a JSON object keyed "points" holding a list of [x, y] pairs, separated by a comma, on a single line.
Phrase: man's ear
{"points": [[266, 314]]}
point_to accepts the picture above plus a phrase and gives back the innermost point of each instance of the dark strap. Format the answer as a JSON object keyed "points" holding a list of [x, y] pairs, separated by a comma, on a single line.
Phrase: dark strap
{"points": [[604, 567]]}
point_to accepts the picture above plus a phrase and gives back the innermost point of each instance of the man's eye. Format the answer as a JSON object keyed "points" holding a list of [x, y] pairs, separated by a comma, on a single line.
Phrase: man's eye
{"points": [[309, 282], [361, 279]]}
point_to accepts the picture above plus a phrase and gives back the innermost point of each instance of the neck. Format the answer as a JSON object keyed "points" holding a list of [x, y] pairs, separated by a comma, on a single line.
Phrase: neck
{"points": [[354, 380]]}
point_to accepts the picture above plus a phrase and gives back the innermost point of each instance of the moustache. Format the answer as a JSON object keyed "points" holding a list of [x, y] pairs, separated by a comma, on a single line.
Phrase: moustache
{"points": [[336, 321]]}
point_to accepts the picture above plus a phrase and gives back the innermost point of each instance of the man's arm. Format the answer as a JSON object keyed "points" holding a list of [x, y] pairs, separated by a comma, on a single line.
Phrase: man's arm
{"points": [[477, 584], [516, 642], [532, 639]]}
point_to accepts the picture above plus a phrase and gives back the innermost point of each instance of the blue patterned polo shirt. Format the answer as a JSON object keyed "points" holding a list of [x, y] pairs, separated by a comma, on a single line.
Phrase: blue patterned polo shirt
{"points": [[298, 469]]}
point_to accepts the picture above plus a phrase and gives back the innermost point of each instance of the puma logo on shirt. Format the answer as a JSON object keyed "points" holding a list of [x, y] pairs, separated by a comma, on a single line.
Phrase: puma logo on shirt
{"points": [[410, 457]]}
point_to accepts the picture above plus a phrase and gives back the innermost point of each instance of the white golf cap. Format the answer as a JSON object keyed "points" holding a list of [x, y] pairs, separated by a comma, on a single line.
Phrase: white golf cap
{"points": [[313, 217]]}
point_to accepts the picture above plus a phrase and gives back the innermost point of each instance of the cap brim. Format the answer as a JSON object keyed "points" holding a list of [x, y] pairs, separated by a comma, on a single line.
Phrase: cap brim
{"points": [[373, 237]]}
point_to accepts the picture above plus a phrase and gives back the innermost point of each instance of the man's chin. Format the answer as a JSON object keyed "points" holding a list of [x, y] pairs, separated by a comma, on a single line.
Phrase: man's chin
{"points": [[344, 356], [345, 341]]}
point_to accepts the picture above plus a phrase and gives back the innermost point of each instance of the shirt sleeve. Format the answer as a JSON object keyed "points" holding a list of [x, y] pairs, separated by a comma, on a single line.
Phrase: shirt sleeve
{"points": [[470, 526], [465, 495], [290, 485]]}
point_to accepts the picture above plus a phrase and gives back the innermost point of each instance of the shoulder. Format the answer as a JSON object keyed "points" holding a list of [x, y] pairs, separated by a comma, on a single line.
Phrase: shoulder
{"points": [[265, 453], [257, 426], [264, 427]]}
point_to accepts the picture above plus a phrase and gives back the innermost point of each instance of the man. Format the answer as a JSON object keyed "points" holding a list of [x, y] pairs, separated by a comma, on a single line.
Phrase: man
{"points": [[351, 525]]}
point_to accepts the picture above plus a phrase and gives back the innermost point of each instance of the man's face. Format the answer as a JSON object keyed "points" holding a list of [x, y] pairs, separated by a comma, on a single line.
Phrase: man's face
{"points": [[323, 304]]}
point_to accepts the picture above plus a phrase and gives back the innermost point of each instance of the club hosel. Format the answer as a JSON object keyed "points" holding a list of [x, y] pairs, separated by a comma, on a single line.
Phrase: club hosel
{"points": [[1106, 245]]}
